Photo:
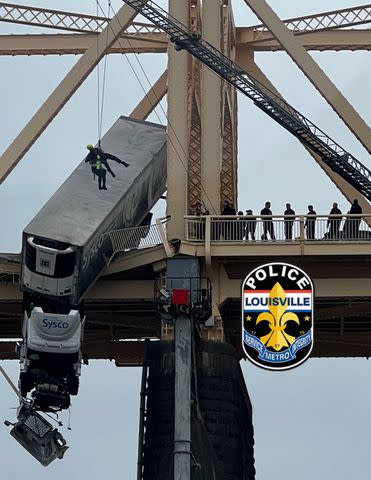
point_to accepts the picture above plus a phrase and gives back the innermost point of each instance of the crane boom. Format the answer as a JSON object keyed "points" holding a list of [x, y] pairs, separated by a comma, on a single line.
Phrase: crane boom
{"points": [[331, 153]]}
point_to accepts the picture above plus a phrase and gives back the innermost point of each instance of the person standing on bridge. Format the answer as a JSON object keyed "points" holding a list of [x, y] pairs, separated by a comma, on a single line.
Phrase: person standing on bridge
{"points": [[97, 158], [228, 227], [250, 226], [289, 221], [334, 222], [310, 223], [267, 222], [351, 227]]}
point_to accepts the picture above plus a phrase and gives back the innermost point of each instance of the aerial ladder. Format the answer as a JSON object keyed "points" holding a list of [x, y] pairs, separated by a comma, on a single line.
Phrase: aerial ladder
{"points": [[331, 153]]}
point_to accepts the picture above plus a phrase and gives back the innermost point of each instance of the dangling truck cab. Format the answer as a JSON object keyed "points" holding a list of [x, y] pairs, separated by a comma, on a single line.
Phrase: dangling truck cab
{"points": [[50, 358]]}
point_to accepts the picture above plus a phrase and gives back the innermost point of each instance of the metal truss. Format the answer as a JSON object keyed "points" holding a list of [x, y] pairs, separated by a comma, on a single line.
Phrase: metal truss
{"points": [[325, 21], [340, 161], [194, 158], [228, 170], [228, 173], [64, 91], [56, 19], [194, 193]]}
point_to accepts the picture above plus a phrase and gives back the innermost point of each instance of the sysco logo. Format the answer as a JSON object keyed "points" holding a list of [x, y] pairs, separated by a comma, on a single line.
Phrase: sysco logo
{"points": [[48, 324]]}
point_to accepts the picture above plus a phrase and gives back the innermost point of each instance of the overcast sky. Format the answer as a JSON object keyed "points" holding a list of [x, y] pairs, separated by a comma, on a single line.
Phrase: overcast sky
{"points": [[312, 422]]}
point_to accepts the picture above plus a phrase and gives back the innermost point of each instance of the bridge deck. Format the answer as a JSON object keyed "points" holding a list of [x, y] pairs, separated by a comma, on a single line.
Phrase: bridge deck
{"points": [[121, 311]]}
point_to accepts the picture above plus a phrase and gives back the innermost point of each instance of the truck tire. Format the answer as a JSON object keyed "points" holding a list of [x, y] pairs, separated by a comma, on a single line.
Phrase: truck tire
{"points": [[25, 383], [73, 384]]}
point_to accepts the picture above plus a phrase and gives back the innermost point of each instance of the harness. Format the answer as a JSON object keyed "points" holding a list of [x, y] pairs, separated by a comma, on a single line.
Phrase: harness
{"points": [[97, 163]]}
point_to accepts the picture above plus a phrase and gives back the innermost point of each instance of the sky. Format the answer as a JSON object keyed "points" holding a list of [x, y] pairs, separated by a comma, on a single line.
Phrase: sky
{"points": [[309, 422]]}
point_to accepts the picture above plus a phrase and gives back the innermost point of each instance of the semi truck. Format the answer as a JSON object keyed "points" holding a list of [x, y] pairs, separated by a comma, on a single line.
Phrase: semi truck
{"points": [[64, 247]]}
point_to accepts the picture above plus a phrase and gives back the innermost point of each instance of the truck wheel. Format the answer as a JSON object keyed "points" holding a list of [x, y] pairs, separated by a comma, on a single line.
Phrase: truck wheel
{"points": [[73, 385], [25, 383]]}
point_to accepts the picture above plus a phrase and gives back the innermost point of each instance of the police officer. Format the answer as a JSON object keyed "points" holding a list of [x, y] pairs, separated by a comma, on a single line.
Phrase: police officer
{"points": [[97, 158]]}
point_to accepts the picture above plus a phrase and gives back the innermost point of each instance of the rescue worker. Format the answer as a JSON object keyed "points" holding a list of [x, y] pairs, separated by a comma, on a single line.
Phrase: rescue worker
{"points": [[97, 158]]}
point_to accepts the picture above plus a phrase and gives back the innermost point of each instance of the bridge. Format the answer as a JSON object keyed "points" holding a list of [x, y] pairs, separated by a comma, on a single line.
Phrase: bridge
{"points": [[202, 167]]}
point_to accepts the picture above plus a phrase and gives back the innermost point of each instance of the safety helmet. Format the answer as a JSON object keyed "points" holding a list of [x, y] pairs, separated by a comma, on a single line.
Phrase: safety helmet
{"points": [[90, 146]]}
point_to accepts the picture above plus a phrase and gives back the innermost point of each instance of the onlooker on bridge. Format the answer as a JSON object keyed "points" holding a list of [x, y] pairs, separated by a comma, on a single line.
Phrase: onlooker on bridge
{"points": [[250, 226], [267, 222], [289, 221], [351, 227], [228, 228], [333, 222], [310, 223], [199, 225], [241, 226]]}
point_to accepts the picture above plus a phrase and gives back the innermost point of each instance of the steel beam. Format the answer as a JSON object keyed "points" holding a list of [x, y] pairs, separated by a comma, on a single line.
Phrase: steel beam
{"points": [[128, 354], [246, 61], [79, 22], [313, 72], [335, 40], [228, 173], [194, 190], [146, 106], [60, 20], [211, 112], [177, 151], [76, 44], [346, 17], [64, 91]]}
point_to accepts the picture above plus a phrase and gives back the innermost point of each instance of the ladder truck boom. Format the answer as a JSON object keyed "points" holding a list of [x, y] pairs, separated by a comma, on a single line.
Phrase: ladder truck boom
{"points": [[331, 153]]}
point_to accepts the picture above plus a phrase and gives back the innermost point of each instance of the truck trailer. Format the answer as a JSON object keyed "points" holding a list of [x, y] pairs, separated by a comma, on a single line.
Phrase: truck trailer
{"points": [[64, 247]]}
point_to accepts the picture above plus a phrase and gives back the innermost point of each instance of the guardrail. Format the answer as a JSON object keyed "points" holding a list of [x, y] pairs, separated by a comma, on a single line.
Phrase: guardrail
{"points": [[278, 228], [136, 238]]}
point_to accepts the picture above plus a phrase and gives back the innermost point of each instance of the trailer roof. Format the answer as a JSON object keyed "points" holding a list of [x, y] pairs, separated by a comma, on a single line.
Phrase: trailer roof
{"points": [[78, 208]]}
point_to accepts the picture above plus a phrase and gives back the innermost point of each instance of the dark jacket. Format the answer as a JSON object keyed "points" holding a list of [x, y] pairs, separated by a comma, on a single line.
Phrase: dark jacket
{"points": [[266, 211], [355, 209], [228, 210], [97, 154], [289, 211], [335, 211]]}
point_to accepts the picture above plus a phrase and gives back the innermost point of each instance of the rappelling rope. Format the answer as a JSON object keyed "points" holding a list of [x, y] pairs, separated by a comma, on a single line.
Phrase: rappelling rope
{"points": [[101, 88], [215, 210]]}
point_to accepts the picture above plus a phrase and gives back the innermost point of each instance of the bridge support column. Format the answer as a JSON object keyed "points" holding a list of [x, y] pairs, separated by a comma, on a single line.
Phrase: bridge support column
{"points": [[182, 411], [177, 145]]}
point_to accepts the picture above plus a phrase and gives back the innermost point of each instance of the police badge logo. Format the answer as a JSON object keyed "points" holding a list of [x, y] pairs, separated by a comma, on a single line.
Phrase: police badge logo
{"points": [[277, 316]]}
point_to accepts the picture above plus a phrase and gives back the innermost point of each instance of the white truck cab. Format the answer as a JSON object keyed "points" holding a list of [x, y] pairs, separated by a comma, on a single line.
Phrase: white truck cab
{"points": [[50, 357]]}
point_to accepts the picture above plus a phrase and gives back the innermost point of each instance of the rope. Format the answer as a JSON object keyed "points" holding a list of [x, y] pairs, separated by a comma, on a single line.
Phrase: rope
{"points": [[8, 379], [98, 80], [101, 88], [215, 211]]}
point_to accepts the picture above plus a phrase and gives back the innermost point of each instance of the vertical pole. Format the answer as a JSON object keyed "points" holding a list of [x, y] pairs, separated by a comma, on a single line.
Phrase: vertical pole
{"points": [[211, 112], [142, 413], [177, 132], [13, 387], [182, 423]]}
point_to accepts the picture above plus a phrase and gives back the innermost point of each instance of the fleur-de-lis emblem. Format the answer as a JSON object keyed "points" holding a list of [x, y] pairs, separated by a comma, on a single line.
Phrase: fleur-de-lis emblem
{"points": [[277, 318]]}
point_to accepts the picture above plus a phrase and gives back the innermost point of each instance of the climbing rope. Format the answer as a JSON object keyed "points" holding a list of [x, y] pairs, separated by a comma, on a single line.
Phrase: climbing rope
{"points": [[214, 209], [101, 88]]}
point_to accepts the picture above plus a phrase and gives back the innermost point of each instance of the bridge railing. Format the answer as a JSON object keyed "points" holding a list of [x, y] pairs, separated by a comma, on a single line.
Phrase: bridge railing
{"points": [[136, 238], [278, 228]]}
